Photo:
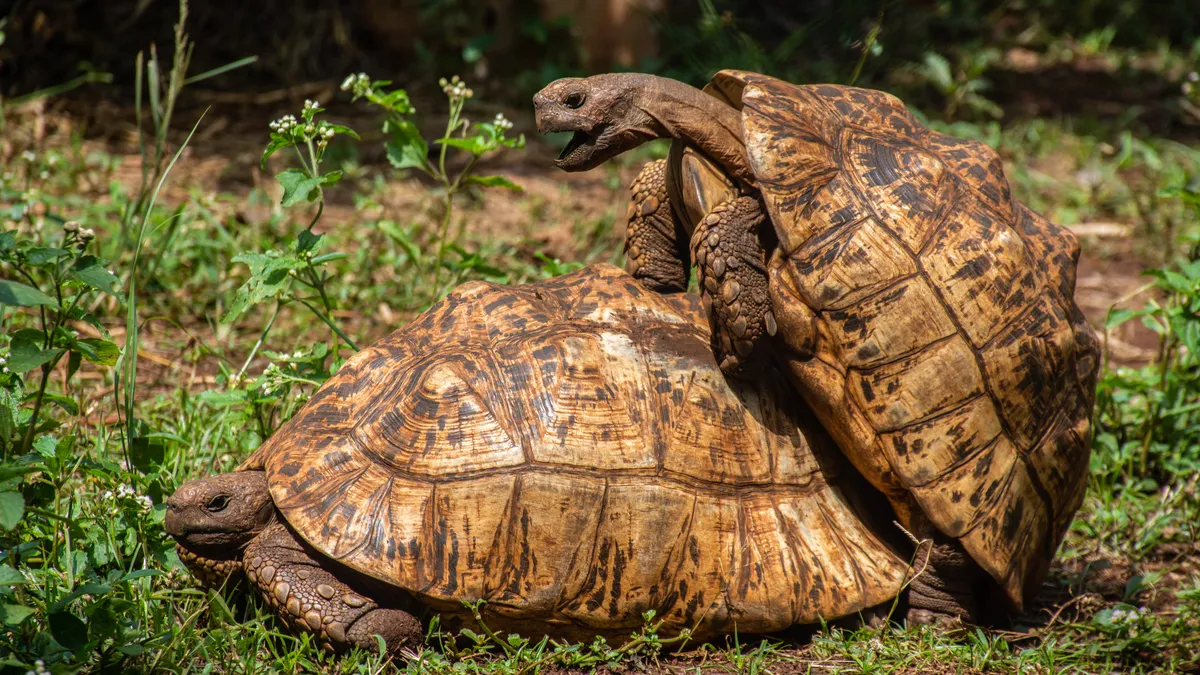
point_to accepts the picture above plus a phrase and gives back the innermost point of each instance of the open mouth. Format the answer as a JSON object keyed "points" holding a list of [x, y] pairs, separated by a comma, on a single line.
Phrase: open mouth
{"points": [[578, 140]]}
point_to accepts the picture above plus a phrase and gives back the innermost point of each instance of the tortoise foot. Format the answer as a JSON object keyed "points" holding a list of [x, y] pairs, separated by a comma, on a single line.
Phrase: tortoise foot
{"points": [[729, 256], [309, 598], [655, 250], [943, 594]]}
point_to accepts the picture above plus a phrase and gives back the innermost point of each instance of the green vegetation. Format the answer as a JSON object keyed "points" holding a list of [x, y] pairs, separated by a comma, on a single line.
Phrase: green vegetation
{"points": [[154, 329]]}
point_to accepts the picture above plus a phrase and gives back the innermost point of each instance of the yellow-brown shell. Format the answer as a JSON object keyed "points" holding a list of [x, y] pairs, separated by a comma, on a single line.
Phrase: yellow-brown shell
{"points": [[570, 452], [952, 363]]}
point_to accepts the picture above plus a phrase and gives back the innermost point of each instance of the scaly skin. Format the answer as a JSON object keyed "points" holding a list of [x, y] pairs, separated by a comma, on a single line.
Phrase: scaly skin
{"points": [[733, 284], [309, 598], [656, 252]]}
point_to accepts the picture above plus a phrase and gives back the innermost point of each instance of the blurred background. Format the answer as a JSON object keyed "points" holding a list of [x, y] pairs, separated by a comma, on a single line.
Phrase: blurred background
{"points": [[971, 58]]}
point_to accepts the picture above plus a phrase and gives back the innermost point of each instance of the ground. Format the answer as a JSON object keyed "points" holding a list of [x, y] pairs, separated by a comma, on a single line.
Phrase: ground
{"points": [[1132, 549]]}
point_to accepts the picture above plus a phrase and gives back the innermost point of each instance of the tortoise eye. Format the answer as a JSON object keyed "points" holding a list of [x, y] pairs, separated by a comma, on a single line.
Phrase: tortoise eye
{"points": [[217, 503], [575, 100]]}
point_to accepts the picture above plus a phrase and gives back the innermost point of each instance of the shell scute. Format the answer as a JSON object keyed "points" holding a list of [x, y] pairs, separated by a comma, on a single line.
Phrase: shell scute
{"points": [[925, 451], [529, 569], [905, 186], [894, 322], [862, 259], [1027, 368], [980, 167], [983, 271], [914, 388], [626, 574]]}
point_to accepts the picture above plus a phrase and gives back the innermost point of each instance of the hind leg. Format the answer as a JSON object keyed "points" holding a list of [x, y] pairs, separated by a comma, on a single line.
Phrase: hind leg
{"points": [[731, 261], [310, 598], [655, 245], [945, 592]]}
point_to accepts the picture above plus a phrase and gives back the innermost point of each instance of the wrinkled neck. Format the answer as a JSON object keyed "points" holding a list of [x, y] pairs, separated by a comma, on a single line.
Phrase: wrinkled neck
{"points": [[688, 114]]}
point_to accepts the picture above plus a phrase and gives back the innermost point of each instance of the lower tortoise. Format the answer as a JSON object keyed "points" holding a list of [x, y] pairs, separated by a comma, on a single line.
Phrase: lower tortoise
{"points": [[568, 451]]}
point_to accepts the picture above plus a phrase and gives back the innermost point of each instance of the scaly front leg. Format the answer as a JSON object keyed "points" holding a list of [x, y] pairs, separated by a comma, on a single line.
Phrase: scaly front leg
{"points": [[655, 245], [731, 260], [310, 598]]}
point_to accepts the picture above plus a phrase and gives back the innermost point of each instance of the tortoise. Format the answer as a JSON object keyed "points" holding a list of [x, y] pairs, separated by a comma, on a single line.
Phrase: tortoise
{"points": [[567, 451], [925, 314]]}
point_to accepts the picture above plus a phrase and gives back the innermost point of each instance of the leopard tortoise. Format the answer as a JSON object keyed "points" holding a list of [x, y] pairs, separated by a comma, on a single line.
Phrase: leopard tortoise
{"points": [[567, 451], [925, 315]]}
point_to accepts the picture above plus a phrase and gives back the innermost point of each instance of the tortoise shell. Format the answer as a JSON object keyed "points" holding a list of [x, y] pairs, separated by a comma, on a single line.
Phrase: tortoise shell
{"points": [[570, 452], [950, 359]]}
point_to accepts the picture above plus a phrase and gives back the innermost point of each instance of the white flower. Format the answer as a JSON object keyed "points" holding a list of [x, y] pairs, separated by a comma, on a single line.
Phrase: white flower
{"points": [[144, 503], [1118, 615], [502, 123], [71, 226], [348, 82], [1193, 76], [3, 361], [28, 156], [308, 129]]}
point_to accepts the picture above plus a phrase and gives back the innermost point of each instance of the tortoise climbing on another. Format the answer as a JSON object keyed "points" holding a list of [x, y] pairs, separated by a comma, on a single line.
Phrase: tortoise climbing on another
{"points": [[925, 314], [567, 451]]}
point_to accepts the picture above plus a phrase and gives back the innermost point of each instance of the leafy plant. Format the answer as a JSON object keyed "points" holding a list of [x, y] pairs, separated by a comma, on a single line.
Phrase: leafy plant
{"points": [[408, 149], [961, 84], [59, 281]]}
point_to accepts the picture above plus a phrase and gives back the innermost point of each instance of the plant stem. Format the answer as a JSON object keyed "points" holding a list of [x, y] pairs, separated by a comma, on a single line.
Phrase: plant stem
{"points": [[261, 339], [37, 405], [329, 322]]}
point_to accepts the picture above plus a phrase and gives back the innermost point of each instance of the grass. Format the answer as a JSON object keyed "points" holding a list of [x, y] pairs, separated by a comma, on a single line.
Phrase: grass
{"points": [[241, 311]]}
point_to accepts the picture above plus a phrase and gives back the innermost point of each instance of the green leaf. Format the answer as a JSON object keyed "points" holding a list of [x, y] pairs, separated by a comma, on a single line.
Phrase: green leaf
{"points": [[1116, 317], [13, 615], [25, 354], [494, 181], [269, 278], [11, 577], [222, 398], [90, 270], [12, 508], [408, 148], [99, 351], [307, 241], [937, 70], [278, 142], [401, 237], [340, 129], [473, 144], [146, 455], [67, 403], [68, 630], [329, 257], [40, 255], [330, 179], [19, 295], [46, 446], [298, 187]]}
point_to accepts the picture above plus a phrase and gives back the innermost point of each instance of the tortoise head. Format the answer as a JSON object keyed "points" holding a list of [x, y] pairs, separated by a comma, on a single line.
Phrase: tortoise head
{"points": [[604, 112], [216, 517]]}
